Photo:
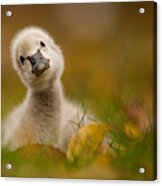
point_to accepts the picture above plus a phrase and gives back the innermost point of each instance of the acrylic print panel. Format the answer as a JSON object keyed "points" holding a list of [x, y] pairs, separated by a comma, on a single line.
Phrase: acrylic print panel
{"points": [[79, 91]]}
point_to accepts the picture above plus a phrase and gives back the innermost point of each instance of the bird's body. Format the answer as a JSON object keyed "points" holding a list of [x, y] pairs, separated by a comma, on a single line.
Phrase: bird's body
{"points": [[45, 116]]}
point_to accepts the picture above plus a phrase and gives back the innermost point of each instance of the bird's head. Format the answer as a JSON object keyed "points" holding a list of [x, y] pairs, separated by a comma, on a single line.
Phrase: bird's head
{"points": [[36, 57]]}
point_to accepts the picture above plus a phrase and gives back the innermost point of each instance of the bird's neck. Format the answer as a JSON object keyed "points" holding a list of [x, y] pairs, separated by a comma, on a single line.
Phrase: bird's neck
{"points": [[46, 103]]}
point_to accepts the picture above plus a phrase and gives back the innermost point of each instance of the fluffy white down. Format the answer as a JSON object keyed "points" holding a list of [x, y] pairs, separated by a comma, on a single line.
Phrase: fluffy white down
{"points": [[45, 116]]}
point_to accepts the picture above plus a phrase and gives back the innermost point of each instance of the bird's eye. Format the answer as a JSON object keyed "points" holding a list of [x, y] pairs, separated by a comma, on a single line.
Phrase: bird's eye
{"points": [[42, 44], [22, 59]]}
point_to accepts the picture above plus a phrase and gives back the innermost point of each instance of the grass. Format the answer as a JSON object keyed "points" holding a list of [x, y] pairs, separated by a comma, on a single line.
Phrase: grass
{"points": [[126, 152]]}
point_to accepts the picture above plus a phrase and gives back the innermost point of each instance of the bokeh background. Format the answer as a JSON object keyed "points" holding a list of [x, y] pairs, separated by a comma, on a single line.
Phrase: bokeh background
{"points": [[108, 50]]}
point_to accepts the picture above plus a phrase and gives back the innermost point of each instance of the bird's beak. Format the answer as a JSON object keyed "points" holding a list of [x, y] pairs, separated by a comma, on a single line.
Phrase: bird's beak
{"points": [[39, 63]]}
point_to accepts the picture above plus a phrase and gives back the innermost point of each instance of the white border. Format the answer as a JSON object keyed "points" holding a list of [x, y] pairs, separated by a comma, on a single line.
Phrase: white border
{"points": [[62, 182]]}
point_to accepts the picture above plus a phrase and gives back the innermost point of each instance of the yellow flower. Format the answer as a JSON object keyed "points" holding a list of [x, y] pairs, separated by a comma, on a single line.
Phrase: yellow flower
{"points": [[132, 130], [85, 144]]}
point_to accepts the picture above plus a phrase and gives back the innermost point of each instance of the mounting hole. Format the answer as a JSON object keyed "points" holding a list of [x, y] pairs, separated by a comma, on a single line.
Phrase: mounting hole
{"points": [[141, 10], [141, 170], [8, 13], [8, 166]]}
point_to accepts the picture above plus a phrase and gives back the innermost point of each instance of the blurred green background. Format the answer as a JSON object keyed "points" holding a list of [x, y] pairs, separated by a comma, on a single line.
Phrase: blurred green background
{"points": [[108, 50]]}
